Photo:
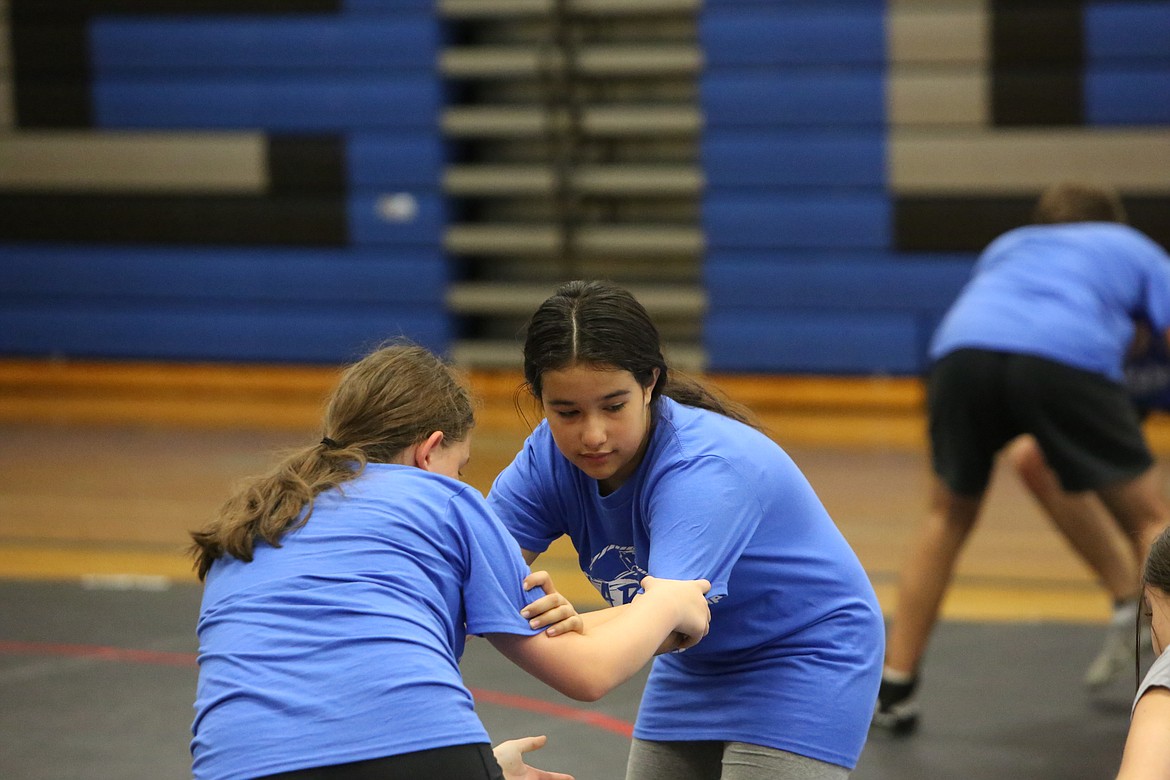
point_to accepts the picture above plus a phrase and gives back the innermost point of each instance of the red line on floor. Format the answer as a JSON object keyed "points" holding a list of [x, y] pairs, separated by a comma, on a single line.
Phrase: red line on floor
{"points": [[597, 720], [99, 652]]}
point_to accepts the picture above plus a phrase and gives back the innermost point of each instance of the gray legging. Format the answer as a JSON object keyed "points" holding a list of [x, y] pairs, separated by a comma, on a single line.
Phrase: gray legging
{"points": [[723, 761]]}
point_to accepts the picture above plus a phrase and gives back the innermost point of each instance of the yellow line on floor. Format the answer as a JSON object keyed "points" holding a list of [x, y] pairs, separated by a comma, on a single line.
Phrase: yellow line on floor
{"points": [[52, 562], [983, 601]]}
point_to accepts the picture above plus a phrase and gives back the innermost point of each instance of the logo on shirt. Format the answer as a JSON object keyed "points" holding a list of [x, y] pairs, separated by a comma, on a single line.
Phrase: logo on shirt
{"points": [[615, 574]]}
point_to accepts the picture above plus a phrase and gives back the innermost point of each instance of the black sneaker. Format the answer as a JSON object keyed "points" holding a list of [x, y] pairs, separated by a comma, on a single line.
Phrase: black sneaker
{"points": [[896, 710]]}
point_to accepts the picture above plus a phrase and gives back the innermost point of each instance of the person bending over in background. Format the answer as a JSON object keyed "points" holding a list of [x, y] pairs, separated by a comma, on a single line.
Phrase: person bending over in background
{"points": [[1033, 344], [340, 587], [1087, 524]]}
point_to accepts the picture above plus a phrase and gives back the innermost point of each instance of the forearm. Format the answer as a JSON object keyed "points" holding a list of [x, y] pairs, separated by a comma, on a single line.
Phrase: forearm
{"points": [[600, 617], [1147, 751], [589, 665]]}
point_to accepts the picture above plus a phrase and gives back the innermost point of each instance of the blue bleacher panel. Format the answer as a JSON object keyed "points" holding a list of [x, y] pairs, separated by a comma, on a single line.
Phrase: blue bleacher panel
{"points": [[215, 332], [891, 301], [743, 280], [255, 44], [386, 6], [1128, 96], [813, 342], [394, 160], [784, 98], [795, 35], [384, 217], [336, 276], [809, 157], [812, 220], [218, 304], [1117, 30], [307, 103]]}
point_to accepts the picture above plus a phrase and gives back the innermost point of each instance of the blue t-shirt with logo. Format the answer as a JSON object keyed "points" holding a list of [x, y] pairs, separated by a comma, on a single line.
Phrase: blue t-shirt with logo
{"points": [[343, 644], [793, 658], [1068, 293]]}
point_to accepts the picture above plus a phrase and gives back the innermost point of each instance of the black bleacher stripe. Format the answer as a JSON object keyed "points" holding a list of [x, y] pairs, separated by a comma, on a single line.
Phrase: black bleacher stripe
{"points": [[1037, 61], [173, 219], [52, 103], [1151, 215], [306, 163], [50, 74], [50, 56], [955, 224], [968, 224], [79, 10]]}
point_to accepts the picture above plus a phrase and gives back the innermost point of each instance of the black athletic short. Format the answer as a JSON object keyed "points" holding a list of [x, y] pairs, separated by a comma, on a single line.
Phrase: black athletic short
{"points": [[979, 400], [466, 762]]}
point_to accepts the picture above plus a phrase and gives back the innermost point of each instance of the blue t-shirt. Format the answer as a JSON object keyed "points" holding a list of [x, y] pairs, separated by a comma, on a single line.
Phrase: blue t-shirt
{"points": [[1068, 293], [794, 655], [343, 644]]}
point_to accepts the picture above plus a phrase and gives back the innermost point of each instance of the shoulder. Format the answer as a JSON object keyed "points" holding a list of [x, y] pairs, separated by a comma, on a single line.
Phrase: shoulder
{"points": [[696, 442], [700, 431]]}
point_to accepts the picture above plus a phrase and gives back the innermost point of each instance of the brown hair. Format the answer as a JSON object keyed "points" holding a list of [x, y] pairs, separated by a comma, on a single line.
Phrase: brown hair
{"points": [[1155, 572], [601, 324], [1077, 202], [393, 398]]}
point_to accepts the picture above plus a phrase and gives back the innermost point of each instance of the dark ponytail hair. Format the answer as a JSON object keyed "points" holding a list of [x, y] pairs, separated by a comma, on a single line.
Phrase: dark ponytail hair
{"points": [[601, 324], [1156, 573], [393, 398]]}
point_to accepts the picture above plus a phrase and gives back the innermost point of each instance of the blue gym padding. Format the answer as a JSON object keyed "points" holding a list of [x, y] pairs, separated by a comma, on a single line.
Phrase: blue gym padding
{"points": [[289, 333], [1116, 30], [813, 342], [805, 157], [1128, 96], [263, 276], [757, 281], [386, 6], [306, 103], [793, 97], [809, 35], [270, 43], [383, 217], [394, 160], [735, 219]]}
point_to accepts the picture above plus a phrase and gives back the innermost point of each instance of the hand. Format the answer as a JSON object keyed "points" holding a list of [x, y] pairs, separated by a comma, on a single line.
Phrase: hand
{"points": [[694, 614], [510, 756], [552, 609]]}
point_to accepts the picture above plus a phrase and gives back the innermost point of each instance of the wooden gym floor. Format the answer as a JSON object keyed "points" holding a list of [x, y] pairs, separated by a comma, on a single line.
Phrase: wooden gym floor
{"points": [[105, 467]]}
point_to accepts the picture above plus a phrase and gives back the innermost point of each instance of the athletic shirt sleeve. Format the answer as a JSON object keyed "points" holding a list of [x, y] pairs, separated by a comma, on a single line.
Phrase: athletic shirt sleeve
{"points": [[493, 586], [521, 495], [1157, 292], [1157, 677], [702, 515]]}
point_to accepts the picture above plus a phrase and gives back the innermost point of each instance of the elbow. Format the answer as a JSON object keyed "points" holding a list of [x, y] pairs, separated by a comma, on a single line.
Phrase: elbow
{"points": [[586, 688], [588, 693]]}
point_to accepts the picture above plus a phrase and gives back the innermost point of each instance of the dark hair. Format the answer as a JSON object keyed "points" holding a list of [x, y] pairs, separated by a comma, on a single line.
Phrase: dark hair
{"points": [[1155, 572], [601, 324], [1157, 569], [1077, 202], [393, 398]]}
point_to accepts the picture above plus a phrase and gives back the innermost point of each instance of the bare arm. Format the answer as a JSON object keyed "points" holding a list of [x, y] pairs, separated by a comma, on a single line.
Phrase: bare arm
{"points": [[588, 665], [1147, 750], [558, 614]]}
